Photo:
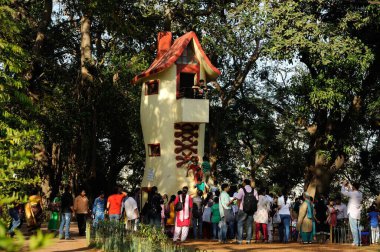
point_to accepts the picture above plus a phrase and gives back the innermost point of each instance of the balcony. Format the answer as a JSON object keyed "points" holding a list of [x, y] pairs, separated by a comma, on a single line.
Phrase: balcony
{"points": [[192, 110]]}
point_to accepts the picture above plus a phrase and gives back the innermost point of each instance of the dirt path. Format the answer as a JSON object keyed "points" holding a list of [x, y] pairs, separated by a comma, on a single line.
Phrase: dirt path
{"points": [[211, 246], [80, 244]]}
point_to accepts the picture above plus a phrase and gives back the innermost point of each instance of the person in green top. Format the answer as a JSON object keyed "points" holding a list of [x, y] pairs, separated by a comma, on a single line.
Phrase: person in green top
{"points": [[206, 168], [215, 218], [201, 185], [54, 217]]}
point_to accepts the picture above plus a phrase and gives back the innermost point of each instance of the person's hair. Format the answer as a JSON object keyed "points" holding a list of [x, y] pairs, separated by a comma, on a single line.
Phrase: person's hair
{"points": [[247, 182], [285, 194], [205, 158], [216, 200], [179, 192], [67, 188], [172, 198], [224, 186], [217, 193], [215, 182], [338, 198], [208, 197], [201, 80], [199, 192], [34, 191], [356, 185], [185, 189], [115, 190], [154, 189], [261, 191], [233, 189], [311, 199], [137, 190]]}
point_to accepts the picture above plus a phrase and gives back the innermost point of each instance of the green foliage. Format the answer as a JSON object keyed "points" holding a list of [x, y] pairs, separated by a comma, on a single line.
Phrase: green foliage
{"points": [[40, 240], [10, 244], [18, 134], [111, 236]]}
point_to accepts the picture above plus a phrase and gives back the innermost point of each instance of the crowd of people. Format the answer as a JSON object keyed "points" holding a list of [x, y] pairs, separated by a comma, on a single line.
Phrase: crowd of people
{"points": [[221, 213]]}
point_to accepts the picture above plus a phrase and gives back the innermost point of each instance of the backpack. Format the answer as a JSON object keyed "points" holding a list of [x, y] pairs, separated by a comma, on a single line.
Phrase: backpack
{"points": [[250, 202], [155, 205], [179, 205], [197, 208]]}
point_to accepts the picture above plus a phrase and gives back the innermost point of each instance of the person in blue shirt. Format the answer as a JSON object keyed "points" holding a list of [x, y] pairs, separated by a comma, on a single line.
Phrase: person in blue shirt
{"points": [[16, 222], [373, 216], [98, 209]]}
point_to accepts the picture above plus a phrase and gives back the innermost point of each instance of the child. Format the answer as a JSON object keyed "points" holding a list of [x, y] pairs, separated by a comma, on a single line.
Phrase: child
{"points": [[373, 215], [215, 218]]}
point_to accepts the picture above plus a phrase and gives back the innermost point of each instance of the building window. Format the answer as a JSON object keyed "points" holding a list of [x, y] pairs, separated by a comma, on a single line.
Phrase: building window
{"points": [[188, 56], [154, 150], [151, 87]]}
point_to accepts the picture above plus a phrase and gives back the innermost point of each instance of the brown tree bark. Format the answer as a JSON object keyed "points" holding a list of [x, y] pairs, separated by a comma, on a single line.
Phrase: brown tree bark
{"points": [[36, 69]]}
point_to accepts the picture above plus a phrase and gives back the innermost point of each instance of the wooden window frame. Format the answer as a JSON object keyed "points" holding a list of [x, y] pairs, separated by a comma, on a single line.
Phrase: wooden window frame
{"points": [[149, 83], [150, 154]]}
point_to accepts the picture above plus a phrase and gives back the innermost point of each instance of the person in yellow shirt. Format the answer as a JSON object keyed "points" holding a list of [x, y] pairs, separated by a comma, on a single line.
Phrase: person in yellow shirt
{"points": [[33, 211]]}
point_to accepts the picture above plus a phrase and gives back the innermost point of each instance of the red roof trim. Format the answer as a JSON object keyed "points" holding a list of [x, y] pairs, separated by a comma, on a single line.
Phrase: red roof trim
{"points": [[170, 57]]}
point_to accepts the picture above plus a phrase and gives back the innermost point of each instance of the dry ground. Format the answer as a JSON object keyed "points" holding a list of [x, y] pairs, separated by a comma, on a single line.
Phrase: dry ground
{"points": [[80, 244], [290, 247]]}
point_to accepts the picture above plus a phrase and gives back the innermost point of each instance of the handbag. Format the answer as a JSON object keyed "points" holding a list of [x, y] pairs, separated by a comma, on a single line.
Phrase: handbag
{"points": [[178, 207], [276, 218]]}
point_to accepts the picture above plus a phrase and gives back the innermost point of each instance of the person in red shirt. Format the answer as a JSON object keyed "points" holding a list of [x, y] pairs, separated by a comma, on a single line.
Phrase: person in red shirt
{"points": [[114, 204]]}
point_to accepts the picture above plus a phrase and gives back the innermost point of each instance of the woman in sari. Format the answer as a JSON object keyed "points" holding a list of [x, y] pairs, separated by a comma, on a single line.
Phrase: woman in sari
{"points": [[306, 220], [55, 207]]}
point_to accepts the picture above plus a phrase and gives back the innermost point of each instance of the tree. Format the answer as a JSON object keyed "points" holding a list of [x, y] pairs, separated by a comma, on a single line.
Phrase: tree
{"points": [[330, 93], [19, 136]]}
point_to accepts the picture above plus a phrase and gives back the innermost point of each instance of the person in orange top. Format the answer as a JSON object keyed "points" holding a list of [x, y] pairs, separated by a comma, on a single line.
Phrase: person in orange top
{"points": [[171, 218], [114, 203]]}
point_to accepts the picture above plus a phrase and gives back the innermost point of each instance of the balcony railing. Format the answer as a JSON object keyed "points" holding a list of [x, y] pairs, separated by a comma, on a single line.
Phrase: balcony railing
{"points": [[193, 93]]}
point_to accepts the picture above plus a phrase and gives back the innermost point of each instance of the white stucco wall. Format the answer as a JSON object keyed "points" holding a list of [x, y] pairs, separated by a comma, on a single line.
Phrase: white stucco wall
{"points": [[158, 115]]}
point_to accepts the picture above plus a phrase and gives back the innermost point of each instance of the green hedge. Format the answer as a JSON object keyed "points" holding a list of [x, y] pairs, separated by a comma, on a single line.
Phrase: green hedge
{"points": [[113, 237]]}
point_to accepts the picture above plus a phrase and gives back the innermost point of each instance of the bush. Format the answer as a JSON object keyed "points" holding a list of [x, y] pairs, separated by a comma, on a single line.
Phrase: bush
{"points": [[111, 236]]}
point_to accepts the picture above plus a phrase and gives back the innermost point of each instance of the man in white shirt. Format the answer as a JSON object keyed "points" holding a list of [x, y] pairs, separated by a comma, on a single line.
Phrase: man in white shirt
{"points": [[244, 218], [132, 213], [353, 208]]}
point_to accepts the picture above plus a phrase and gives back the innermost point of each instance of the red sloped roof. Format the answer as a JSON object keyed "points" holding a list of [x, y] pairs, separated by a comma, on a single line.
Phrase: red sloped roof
{"points": [[171, 56]]}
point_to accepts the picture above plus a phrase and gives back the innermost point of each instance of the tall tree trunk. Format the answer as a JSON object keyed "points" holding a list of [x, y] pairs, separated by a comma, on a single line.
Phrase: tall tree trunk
{"points": [[55, 170], [36, 69], [85, 59]]}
